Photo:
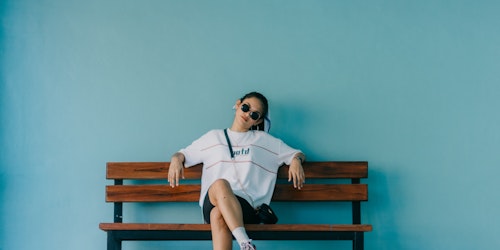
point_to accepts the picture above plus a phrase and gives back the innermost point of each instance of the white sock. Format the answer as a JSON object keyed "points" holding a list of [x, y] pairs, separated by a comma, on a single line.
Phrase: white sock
{"points": [[241, 235]]}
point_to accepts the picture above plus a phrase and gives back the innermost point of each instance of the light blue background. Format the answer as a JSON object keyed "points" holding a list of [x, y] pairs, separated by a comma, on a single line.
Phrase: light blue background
{"points": [[412, 87]]}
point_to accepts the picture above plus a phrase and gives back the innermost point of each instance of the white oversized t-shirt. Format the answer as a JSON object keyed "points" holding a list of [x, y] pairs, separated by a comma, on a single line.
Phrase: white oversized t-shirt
{"points": [[258, 156]]}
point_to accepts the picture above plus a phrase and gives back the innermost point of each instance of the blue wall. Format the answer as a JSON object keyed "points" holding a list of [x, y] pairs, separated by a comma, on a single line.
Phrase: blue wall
{"points": [[410, 86]]}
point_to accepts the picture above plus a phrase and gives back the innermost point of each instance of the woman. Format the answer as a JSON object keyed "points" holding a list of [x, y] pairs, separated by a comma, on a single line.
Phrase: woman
{"points": [[239, 171]]}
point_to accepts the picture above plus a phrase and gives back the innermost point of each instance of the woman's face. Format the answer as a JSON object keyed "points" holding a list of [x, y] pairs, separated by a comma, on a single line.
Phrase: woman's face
{"points": [[252, 106]]}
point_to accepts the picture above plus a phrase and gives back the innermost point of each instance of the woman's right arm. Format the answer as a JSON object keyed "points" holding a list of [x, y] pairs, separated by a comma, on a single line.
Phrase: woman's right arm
{"points": [[176, 169]]}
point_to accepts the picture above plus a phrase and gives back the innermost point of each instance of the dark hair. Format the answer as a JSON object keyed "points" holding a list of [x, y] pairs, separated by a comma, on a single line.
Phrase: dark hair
{"points": [[265, 107]]}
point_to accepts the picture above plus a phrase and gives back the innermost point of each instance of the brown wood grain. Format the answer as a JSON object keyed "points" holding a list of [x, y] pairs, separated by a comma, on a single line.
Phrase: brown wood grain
{"points": [[159, 170], [191, 192], [252, 227], [321, 192]]}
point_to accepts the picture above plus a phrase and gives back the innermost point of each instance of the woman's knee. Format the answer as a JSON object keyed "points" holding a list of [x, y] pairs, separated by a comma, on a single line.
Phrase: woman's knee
{"points": [[220, 189], [217, 219], [221, 184]]}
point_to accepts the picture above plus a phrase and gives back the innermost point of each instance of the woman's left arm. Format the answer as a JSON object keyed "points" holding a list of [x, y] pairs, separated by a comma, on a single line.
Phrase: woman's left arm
{"points": [[296, 171]]}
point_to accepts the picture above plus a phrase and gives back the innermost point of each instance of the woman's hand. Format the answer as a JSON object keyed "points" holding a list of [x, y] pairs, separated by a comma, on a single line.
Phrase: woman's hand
{"points": [[296, 172], [176, 169]]}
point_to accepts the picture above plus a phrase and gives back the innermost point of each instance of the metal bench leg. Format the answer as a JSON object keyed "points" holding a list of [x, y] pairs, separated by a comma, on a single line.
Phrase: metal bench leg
{"points": [[113, 243], [358, 241]]}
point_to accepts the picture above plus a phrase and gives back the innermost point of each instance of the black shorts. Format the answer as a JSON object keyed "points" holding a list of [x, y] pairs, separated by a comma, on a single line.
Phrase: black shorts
{"points": [[249, 216]]}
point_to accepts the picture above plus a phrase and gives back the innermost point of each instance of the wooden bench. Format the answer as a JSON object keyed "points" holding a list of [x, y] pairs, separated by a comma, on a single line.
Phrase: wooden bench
{"points": [[323, 189]]}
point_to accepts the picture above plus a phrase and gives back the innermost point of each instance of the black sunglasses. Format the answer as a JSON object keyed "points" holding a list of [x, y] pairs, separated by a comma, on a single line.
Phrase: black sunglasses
{"points": [[253, 114]]}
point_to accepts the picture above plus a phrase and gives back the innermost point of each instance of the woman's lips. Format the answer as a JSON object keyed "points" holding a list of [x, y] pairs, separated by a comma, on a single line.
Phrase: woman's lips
{"points": [[244, 118]]}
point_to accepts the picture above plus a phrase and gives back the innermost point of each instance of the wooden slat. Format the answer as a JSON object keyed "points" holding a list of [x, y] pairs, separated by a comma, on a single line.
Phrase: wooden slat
{"points": [[250, 228], [283, 192], [137, 170], [321, 192], [152, 193], [334, 169], [159, 170]]}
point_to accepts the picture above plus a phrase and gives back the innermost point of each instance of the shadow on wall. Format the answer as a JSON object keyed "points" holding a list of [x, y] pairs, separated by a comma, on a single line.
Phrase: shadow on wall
{"points": [[379, 210], [3, 105], [2, 205], [288, 121]]}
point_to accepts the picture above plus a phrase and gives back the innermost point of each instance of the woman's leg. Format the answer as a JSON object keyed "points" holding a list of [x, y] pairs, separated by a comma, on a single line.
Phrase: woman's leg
{"points": [[221, 235], [226, 215], [222, 197]]}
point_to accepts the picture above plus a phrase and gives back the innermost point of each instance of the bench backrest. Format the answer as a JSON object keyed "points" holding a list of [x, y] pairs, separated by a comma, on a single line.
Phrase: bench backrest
{"points": [[321, 189]]}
